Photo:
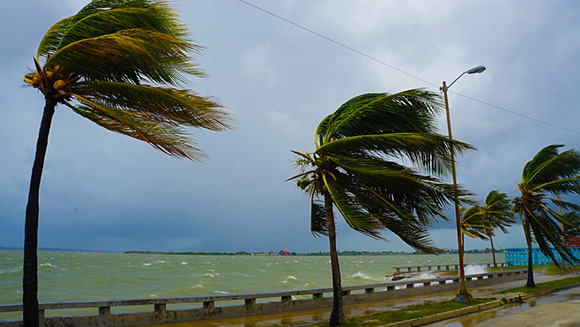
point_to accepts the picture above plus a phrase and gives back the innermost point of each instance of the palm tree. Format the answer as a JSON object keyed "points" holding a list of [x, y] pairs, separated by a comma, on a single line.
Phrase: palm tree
{"points": [[121, 62], [549, 173], [473, 223], [498, 212], [359, 168]]}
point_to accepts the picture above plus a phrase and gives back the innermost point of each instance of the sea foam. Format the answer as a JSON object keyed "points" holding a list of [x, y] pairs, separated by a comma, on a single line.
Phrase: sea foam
{"points": [[475, 269], [361, 275]]}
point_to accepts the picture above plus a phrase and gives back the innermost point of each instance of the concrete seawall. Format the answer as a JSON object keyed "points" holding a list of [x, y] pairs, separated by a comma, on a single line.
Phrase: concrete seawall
{"points": [[173, 310]]}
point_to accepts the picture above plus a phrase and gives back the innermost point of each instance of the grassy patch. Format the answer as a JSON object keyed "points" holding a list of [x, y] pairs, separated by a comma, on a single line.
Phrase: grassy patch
{"points": [[412, 312], [543, 286]]}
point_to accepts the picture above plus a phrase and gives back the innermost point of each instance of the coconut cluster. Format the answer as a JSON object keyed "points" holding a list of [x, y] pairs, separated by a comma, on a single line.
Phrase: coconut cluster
{"points": [[53, 82]]}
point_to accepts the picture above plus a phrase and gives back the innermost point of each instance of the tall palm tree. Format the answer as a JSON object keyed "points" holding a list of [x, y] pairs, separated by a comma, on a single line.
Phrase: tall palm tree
{"points": [[120, 64], [498, 212], [359, 168], [549, 173]]}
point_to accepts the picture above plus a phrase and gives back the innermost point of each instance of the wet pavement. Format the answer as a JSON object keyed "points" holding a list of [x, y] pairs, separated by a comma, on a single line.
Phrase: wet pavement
{"points": [[560, 309]]}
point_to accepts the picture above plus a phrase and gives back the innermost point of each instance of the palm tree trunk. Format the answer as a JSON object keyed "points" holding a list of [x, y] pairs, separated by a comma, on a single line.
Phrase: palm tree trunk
{"points": [[337, 315], [492, 250], [527, 231], [463, 295], [30, 312]]}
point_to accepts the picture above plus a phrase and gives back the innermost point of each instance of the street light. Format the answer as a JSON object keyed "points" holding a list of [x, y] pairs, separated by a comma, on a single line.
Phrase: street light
{"points": [[463, 295]]}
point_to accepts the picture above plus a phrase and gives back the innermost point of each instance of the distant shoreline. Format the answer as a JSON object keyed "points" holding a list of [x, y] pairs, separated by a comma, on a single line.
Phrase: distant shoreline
{"points": [[237, 253], [272, 253]]}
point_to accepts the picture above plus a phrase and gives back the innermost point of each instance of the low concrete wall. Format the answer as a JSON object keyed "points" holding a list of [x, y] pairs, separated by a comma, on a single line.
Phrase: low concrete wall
{"points": [[249, 303], [443, 267]]}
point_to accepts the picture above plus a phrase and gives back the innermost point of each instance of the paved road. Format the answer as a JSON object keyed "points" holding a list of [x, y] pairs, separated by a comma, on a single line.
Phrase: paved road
{"points": [[561, 309]]}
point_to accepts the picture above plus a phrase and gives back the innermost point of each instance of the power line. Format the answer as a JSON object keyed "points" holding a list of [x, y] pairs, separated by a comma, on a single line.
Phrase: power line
{"points": [[402, 71]]}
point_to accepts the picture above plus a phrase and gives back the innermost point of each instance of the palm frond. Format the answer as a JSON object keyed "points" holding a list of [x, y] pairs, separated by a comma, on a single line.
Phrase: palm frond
{"points": [[379, 113], [104, 21], [547, 235], [167, 138], [133, 55], [426, 151], [571, 222], [51, 40], [474, 223], [566, 205], [354, 214], [562, 167], [318, 225], [179, 106], [321, 131]]}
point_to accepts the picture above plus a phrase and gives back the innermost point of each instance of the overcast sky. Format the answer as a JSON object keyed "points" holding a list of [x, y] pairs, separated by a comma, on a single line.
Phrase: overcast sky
{"points": [[105, 191]]}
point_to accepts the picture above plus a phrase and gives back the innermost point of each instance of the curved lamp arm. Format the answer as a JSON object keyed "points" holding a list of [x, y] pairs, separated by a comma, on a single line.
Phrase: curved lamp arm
{"points": [[474, 70]]}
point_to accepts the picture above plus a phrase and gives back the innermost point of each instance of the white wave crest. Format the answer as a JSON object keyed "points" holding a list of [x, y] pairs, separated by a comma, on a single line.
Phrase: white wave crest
{"points": [[212, 275], [220, 292], [475, 269], [198, 286], [47, 265], [289, 278], [361, 275]]}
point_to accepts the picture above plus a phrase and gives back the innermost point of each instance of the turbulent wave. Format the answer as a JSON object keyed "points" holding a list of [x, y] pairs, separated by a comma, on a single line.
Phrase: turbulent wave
{"points": [[47, 265], [289, 278], [220, 292], [475, 269], [361, 276], [212, 275], [196, 287]]}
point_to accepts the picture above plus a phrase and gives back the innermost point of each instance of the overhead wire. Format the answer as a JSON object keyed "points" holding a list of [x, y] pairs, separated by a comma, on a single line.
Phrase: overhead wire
{"points": [[402, 71]]}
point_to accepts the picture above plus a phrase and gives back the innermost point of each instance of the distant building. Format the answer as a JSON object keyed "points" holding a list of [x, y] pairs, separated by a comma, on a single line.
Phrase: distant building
{"points": [[284, 252], [519, 257]]}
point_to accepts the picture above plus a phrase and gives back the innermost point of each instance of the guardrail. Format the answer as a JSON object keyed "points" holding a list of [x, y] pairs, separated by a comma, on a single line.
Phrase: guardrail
{"points": [[409, 269], [157, 311]]}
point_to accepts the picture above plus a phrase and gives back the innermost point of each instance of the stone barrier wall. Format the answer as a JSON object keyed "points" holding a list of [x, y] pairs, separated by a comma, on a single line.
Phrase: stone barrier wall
{"points": [[141, 312]]}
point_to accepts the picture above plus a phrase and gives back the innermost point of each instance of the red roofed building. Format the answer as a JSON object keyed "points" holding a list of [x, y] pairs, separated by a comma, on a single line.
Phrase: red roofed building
{"points": [[284, 252]]}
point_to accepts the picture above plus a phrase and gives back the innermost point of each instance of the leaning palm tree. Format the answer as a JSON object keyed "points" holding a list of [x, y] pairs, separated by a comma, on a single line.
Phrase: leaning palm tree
{"points": [[549, 173], [473, 223], [120, 64], [359, 168], [498, 212]]}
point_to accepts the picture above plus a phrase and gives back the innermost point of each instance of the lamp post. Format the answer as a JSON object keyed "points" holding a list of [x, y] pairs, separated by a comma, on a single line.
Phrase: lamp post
{"points": [[463, 295]]}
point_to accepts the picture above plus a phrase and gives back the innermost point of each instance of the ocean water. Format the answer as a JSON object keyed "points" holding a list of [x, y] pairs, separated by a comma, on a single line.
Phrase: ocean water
{"points": [[84, 276]]}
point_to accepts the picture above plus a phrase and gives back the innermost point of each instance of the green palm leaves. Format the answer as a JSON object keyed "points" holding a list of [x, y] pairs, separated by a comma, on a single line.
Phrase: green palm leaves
{"points": [[123, 61], [554, 174], [482, 221], [360, 157], [359, 167]]}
